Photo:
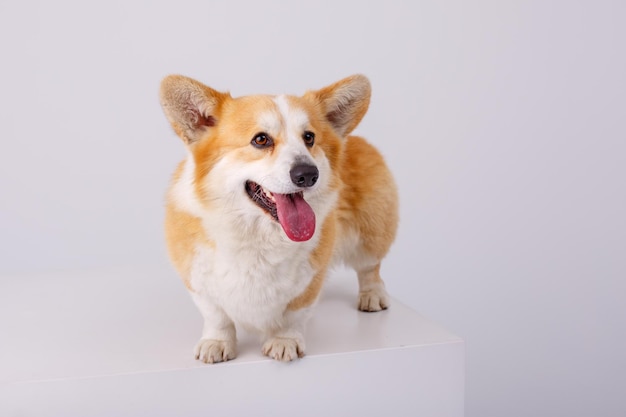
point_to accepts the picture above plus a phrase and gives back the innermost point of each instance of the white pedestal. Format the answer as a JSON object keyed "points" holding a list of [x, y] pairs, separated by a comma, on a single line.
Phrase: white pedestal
{"points": [[119, 342]]}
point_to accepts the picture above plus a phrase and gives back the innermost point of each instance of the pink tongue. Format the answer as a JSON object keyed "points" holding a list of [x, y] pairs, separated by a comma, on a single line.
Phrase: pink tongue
{"points": [[295, 216]]}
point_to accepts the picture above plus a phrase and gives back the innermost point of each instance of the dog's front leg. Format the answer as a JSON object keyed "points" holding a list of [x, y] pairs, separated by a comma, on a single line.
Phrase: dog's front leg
{"points": [[287, 342], [219, 340]]}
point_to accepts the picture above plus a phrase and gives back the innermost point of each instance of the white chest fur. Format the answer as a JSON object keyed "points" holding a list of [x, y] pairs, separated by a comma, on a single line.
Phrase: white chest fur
{"points": [[252, 282], [251, 271]]}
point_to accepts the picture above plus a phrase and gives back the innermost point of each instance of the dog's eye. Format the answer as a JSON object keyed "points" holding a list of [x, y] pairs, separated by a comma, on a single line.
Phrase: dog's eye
{"points": [[262, 140], [309, 138]]}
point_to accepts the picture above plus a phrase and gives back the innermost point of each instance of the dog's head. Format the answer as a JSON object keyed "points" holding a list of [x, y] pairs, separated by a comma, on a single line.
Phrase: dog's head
{"points": [[269, 157]]}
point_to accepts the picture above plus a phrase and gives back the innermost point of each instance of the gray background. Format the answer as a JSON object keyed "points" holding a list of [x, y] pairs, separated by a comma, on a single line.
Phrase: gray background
{"points": [[503, 122]]}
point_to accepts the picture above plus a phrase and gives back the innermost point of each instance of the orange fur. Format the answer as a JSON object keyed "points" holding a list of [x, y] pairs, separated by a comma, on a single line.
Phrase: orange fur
{"points": [[369, 199], [183, 233]]}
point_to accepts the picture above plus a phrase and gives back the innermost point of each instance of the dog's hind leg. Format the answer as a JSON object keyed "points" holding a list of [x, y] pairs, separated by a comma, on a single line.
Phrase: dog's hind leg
{"points": [[368, 219], [372, 293]]}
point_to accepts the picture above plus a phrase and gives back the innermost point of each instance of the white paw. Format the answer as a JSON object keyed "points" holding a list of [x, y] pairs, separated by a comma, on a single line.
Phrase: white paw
{"points": [[212, 351], [374, 299], [283, 348]]}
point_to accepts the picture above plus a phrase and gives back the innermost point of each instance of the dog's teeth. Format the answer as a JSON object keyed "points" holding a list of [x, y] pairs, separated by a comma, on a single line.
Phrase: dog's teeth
{"points": [[269, 195]]}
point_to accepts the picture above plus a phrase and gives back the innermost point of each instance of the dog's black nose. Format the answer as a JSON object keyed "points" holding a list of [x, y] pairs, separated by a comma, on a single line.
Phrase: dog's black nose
{"points": [[304, 175]]}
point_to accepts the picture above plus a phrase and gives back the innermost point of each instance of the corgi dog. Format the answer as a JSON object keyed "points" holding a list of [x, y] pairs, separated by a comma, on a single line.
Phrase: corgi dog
{"points": [[273, 191]]}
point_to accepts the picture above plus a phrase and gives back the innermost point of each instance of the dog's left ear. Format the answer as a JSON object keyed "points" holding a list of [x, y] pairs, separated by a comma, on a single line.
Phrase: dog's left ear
{"points": [[345, 102]]}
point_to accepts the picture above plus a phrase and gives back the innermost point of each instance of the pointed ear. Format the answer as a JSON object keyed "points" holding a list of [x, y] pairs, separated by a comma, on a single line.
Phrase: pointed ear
{"points": [[190, 106], [345, 102]]}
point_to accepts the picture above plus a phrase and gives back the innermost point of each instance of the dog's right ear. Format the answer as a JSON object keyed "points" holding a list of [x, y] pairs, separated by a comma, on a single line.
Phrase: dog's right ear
{"points": [[190, 106]]}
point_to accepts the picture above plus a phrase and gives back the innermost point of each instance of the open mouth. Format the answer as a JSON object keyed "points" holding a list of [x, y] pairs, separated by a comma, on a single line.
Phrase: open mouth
{"points": [[290, 210], [262, 198]]}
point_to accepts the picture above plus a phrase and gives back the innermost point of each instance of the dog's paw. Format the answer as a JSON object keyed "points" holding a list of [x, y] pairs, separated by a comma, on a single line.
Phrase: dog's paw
{"points": [[283, 348], [213, 351], [374, 299]]}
